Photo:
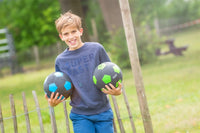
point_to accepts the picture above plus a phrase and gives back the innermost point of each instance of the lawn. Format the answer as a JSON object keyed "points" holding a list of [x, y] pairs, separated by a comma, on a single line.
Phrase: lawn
{"points": [[171, 86]]}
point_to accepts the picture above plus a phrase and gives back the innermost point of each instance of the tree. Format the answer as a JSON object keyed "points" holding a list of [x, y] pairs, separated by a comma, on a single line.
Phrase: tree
{"points": [[111, 13], [31, 22]]}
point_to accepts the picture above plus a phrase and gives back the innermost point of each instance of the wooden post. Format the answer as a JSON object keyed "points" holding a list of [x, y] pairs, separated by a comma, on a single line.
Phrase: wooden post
{"points": [[38, 111], [129, 110], [121, 127], [114, 126], [135, 65], [114, 123], [66, 116], [1, 120], [36, 55], [12, 105], [53, 119], [157, 27], [28, 126]]}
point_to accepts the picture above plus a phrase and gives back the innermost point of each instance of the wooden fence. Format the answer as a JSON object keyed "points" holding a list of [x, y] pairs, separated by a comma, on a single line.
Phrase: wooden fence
{"points": [[7, 51], [53, 118]]}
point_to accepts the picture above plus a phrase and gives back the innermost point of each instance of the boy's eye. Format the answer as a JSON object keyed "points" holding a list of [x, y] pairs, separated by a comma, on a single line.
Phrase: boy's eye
{"points": [[73, 31]]}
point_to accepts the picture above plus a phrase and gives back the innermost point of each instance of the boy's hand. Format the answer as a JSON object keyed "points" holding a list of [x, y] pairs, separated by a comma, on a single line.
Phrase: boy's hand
{"points": [[54, 101], [112, 90]]}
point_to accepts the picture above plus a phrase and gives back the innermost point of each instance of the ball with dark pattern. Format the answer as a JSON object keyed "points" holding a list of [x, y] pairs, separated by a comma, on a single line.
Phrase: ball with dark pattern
{"points": [[106, 73], [58, 82]]}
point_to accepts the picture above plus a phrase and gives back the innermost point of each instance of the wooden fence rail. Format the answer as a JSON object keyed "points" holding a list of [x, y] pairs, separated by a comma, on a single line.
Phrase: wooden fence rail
{"points": [[53, 118]]}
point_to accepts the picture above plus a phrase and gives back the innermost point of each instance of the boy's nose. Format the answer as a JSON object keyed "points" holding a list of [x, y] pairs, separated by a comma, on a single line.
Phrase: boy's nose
{"points": [[70, 36]]}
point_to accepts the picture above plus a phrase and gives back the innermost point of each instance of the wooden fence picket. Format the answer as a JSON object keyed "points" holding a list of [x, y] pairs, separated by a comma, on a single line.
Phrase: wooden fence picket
{"points": [[53, 119], [28, 126], [1, 120], [114, 126], [129, 111], [66, 117], [13, 111], [38, 111], [121, 127]]}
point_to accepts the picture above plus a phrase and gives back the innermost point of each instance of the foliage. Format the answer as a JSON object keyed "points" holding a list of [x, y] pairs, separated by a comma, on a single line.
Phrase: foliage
{"points": [[147, 42], [189, 9], [117, 48], [181, 11], [30, 21], [146, 10]]}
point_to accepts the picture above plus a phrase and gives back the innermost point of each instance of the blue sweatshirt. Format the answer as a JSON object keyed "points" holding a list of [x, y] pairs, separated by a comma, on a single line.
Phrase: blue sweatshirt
{"points": [[79, 65]]}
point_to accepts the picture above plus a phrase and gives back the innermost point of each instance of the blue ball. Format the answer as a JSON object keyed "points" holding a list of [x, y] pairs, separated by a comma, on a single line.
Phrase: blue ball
{"points": [[58, 82]]}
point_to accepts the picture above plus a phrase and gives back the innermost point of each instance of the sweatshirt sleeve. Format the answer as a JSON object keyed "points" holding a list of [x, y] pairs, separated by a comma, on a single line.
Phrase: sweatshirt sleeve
{"points": [[103, 55], [57, 69]]}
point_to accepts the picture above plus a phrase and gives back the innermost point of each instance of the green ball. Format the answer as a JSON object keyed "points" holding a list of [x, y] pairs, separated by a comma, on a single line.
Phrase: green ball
{"points": [[106, 73]]}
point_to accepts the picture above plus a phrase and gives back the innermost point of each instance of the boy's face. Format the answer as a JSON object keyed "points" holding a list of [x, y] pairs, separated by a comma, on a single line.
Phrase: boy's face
{"points": [[72, 37]]}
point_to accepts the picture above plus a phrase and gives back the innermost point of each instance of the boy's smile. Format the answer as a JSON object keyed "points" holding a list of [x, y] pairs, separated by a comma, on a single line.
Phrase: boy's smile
{"points": [[72, 37]]}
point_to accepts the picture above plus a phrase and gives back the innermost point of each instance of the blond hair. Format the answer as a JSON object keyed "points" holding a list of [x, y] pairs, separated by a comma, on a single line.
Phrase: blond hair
{"points": [[68, 19]]}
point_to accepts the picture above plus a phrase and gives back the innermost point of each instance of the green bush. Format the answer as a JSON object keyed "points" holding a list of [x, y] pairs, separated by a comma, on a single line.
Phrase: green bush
{"points": [[117, 48], [147, 42]]}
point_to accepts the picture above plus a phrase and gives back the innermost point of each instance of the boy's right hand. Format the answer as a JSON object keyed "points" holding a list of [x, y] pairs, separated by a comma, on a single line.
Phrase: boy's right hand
{"points": [[53, 101]]}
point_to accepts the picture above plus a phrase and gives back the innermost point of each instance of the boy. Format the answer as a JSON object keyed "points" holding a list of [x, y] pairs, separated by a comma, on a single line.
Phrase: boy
{"points": [[91, 111]]}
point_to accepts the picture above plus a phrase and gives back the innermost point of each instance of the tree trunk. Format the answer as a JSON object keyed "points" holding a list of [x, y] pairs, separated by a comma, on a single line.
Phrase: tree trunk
{"points": [[111, 13]]}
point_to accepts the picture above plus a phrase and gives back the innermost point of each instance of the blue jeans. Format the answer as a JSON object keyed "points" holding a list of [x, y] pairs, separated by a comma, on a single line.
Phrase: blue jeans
{"points": [[100, 123]]}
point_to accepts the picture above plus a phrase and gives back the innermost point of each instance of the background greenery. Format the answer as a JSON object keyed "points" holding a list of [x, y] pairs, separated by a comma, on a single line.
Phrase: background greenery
{"points": [[32, 23]]}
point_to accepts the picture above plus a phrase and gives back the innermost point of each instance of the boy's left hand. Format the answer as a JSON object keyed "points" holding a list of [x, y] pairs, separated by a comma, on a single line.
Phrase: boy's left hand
{"points": [[112, 90], [54, 101]]}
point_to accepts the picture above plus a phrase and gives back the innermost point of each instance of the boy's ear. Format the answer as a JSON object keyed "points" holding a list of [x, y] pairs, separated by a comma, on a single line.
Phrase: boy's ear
{"points": [[61, 37], [81, 31]]}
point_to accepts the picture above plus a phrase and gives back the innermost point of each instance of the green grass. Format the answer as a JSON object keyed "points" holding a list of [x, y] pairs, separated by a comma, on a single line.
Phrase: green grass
{"points": [[171, 86]]}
